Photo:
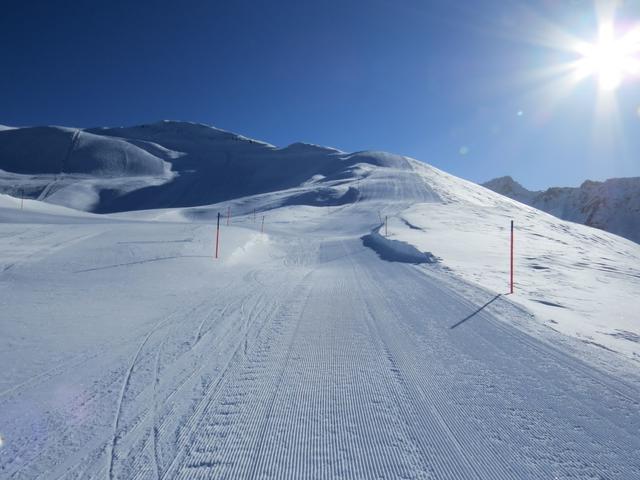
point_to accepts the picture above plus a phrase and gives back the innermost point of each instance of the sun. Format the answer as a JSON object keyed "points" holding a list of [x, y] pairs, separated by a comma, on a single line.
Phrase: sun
{"points": [[610, 59]]}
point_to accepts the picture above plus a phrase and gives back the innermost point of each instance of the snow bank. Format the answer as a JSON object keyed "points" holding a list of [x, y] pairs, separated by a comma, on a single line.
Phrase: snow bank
{"points": [[396, 250]]}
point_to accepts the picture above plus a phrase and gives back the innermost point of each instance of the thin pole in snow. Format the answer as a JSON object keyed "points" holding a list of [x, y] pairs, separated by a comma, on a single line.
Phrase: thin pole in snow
{"points": [[385, 226], [217, 234], [262, 227], [228, 215], [511, 279]]}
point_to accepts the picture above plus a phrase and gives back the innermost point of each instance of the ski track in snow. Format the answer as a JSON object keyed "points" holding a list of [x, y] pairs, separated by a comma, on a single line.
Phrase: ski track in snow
{"points": [[316, 359]]}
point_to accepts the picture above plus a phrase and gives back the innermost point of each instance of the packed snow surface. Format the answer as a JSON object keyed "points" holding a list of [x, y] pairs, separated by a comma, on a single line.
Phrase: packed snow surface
{"points": [[354, 325]]}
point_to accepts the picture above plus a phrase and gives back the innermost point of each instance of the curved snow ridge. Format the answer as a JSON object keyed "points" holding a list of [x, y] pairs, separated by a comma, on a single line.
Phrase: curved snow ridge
{"points": [[396, 250], [56, 150], [156, 149], [175, 133], [303, 147], [323, 197], [379, 159]]}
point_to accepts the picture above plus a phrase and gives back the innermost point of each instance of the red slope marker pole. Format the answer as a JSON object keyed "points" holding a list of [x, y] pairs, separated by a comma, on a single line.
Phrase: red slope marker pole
{"points": [[217, 234], [511, 282], [228, 215]]}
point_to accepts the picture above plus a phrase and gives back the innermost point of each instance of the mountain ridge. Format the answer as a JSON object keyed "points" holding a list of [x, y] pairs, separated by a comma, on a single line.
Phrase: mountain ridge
{"points": [[168, 164], [612, 205], [173, 164]]}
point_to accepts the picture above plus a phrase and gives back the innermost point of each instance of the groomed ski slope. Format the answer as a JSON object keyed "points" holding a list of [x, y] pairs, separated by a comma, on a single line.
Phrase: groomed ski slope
{"points": [[129, 352]]}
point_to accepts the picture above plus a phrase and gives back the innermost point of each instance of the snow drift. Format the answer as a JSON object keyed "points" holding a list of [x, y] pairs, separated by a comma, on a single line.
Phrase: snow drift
{"points": [[396, 250]]}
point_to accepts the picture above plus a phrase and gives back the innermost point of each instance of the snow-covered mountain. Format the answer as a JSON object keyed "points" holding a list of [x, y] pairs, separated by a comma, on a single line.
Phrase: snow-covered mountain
{"points": [[162, 165], [612, 205], [353, 321]]}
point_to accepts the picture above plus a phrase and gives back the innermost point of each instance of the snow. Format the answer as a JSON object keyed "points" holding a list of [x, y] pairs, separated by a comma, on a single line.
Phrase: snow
{"points": [[575, 279], [393, 250], [77, 169], [58, 150], [15, 210], [129, 351], [612, 205]]}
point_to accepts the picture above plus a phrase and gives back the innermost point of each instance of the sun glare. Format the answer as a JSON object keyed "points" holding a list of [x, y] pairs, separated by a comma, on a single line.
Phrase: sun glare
{"points": [[611, 59], [608, 59]]}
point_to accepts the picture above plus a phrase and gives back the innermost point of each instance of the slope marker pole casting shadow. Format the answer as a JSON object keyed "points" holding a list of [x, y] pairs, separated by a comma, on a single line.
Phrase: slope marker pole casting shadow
{"points": [[473, 314]]}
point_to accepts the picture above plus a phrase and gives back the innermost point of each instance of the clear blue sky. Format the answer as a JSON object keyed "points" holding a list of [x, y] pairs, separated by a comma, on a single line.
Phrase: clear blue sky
{"points": [[448, 82]]}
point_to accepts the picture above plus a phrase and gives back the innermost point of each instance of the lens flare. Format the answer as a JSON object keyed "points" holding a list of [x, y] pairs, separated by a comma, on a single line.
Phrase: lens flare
{"points": [[611, 59]]}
